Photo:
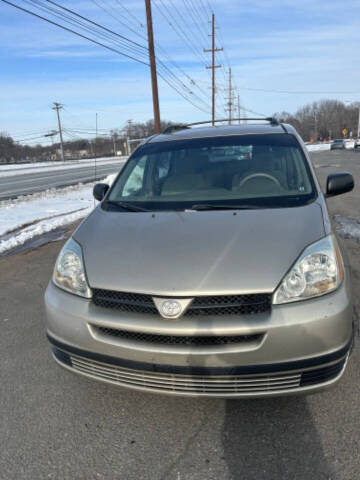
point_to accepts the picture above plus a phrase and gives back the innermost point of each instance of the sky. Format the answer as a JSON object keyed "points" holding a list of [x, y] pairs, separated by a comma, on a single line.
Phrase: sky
{"points": [[273, 45]]}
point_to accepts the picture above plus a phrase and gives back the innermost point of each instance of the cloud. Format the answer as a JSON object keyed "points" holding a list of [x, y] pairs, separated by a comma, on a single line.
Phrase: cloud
{"points": [[271, 44]]}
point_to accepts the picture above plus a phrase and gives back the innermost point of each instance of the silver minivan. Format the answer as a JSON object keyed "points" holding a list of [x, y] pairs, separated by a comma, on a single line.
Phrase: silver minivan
{"points": [[209, 268]]}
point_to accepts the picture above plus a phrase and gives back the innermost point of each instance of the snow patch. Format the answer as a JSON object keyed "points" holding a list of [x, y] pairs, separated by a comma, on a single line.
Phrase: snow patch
{"points": [[348, 227], [320, 147], [30, 216], [28, 168], [39, 228]]}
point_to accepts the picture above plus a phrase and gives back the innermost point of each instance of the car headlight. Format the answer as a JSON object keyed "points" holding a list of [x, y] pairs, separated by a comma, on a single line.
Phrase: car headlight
{"points": [[318, 270], [69, 272]]}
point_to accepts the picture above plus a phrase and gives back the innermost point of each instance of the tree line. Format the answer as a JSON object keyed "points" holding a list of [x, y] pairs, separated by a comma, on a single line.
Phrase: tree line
{"points": [[325, 119], [103, 145]]}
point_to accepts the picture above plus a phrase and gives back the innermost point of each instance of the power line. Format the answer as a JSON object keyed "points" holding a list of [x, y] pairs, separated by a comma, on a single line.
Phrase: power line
{"points": [[114, 16], [129, 13], [177, 28], [164, 73], [28, 139], [180, 93], [74, 32], [196, 23], [29, 134], [209, 6], [97, 24], [180, 16], [89, 29], [204, 8], [293, 92], [198, 12], [160, 48]]}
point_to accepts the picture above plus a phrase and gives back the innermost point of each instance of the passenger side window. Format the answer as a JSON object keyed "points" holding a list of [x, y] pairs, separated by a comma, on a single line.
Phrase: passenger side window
{"points": [[134, 183]]}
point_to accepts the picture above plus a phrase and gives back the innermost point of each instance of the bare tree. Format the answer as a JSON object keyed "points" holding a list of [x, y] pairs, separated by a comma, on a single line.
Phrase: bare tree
{"points": [[323, 119]]}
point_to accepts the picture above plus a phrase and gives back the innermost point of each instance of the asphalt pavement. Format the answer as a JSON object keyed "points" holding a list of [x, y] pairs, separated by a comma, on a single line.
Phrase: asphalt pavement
{"points": [[55, 425], [11, 187]]}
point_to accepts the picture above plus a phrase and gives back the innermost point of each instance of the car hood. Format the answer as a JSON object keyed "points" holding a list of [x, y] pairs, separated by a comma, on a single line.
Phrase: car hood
{"points": [[184, 253]]}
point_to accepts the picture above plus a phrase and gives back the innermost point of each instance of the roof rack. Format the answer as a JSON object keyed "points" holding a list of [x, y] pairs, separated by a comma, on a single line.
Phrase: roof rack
{"points": [[173, 128], [271, 120]]}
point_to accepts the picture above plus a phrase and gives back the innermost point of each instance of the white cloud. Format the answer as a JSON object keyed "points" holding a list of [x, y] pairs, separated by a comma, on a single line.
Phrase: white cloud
{"points": [[272, 44]]}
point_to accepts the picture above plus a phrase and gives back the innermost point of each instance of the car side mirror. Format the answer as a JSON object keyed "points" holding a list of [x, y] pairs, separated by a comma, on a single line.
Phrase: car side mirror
{"points": [[100, 190], [338, 183]]}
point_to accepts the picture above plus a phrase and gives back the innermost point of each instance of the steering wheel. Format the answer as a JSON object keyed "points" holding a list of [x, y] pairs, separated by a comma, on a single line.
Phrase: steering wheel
{"points": [[262, 175]]}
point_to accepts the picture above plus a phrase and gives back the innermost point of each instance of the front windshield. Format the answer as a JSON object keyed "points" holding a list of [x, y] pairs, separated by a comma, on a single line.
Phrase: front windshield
{"points": [[258, 170]]}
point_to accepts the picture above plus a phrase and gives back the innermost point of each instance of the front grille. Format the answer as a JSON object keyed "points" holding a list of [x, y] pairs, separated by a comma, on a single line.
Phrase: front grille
{"points": [[237, 381], [230, 305], [200, 341], [203, 305], [128, 302], [206, 385]]}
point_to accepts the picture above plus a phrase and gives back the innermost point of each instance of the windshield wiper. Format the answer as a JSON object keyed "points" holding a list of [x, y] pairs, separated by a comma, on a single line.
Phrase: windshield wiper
{"points": [[126, 206], [208, 206]]}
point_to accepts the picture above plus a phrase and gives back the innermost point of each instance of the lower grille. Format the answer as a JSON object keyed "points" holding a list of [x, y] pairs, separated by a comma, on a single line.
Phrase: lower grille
{"points": [[320, 375], [211, 385], [204, 305], [219, 385], [201, 341]]}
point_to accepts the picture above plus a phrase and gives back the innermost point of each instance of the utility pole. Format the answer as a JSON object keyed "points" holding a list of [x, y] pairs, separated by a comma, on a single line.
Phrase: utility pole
{"points": [[95, 149], [58, 107], [213, 67], [154, 84], [114, 141], [230, 103], [358, 132], [96, 132]]}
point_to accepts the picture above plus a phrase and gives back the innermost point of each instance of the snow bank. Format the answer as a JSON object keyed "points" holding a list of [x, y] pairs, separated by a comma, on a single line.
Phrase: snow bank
{"points": [[12, 170], [318, 147], [350, 144], [30, 216], [321, 147]]}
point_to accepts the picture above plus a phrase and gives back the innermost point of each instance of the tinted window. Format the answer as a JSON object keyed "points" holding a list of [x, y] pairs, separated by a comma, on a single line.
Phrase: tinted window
{"points": [[264, 170]]}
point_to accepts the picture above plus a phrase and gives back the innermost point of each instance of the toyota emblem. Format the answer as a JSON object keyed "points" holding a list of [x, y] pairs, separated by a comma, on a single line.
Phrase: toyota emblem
{"points": [[171, 308]]}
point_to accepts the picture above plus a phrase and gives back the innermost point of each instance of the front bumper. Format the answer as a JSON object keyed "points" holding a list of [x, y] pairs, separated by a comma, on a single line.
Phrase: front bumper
{"points": [[299, 348]]}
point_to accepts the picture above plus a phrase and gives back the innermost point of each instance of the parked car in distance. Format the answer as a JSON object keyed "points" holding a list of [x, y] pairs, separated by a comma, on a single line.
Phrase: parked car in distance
{"points": [[209, 268], [338, 144], [357, 143]]}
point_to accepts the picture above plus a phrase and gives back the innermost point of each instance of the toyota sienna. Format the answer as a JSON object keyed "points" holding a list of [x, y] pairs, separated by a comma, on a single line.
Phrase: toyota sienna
{"points": [[209, 268]]}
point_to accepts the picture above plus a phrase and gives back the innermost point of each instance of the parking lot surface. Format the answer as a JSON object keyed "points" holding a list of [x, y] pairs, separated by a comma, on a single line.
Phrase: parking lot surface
{"points": [[55, 425]]}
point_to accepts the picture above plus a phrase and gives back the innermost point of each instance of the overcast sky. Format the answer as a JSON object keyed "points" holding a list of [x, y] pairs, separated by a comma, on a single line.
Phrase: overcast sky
{"points": [[273, 45]]}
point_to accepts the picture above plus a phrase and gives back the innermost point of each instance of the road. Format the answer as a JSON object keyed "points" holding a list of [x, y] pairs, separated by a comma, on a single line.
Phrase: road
{"points": [[54, 425], [11, 187]]}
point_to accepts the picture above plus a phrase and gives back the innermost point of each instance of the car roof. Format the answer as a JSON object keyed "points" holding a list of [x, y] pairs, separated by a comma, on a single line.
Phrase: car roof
{"points": [[187, 133]]}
